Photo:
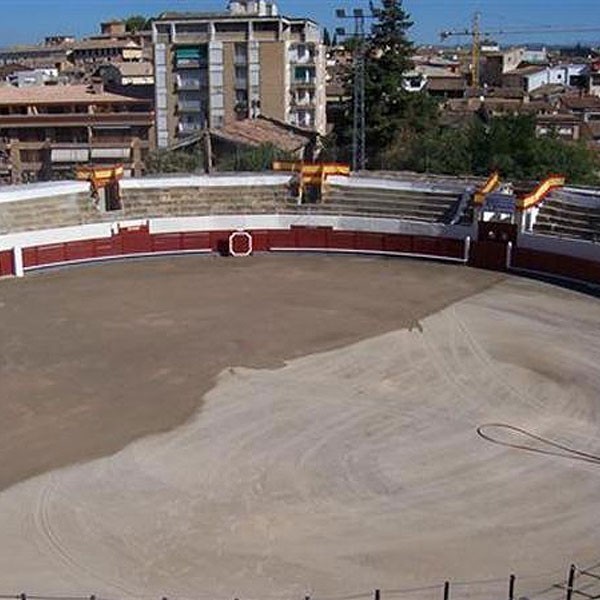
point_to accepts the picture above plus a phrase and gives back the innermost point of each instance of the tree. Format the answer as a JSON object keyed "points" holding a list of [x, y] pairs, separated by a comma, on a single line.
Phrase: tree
{"points": [[508, 144], [387, 58], [175, 161], [261, 158], [136, 23]]}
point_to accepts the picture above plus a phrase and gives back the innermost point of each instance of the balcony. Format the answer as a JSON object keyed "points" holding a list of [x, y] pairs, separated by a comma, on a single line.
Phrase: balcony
{"points": [[70, 155], [121, 145], [77, 119], [302, 59], [191, 84], [190, 127], [302, 118], [189, 106], [305, 82], [191, 37], [304, 76], [190, 63], [303, 100], [112, 153]]}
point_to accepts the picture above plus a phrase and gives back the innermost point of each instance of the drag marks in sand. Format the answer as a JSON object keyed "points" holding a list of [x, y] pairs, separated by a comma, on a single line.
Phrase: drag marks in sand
{"points": [[342, 471]]}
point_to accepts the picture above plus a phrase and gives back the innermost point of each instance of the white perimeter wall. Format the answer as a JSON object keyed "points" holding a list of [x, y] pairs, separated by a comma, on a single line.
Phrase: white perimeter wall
{"points": [[566, 247], [200, 181], [230, 222]]}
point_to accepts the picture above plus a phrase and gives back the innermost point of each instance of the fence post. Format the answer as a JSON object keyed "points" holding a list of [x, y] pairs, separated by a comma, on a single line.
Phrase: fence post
{"points": [[511, 588], [18, 261], [508, 258], [446, 590], [377, 595], [467, 249], [570, 582]]}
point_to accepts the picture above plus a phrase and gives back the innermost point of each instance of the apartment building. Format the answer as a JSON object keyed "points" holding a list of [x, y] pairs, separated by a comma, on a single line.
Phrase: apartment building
{"points": [[215, 68], [36, 56], [49, 130], [94, 51]]}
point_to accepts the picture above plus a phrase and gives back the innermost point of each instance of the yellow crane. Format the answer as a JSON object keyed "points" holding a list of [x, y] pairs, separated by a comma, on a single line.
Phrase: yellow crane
{"points": [[476, 34]]}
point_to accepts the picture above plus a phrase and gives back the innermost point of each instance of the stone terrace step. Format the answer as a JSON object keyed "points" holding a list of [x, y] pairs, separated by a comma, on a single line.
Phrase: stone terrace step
{"points": [[562, 219], [391, 196], [566, 231], [558, 205], [365, 211]]}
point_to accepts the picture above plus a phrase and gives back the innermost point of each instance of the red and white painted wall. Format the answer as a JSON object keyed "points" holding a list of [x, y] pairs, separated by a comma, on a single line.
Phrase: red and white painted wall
{"points": [[244, 234]]}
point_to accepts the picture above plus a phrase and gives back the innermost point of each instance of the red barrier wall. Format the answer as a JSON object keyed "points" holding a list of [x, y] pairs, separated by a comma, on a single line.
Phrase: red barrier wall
{"points": [[488, 255], [138, 240], [556, 264], [6, 263], [132, 241]]}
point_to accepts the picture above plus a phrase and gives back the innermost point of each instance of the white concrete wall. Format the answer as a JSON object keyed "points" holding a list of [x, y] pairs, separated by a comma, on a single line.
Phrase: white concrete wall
{"points": [[199, 181], [380, 225], [42, 237], [212, 223], [49, 189], [387, 184], [565, 247]]}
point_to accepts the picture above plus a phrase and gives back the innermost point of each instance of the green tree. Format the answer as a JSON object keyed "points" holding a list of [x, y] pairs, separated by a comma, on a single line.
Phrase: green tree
{"points": [[175, 161], [388, 58], [387, 52], [136, 23], [507, 144], [250, 159]]}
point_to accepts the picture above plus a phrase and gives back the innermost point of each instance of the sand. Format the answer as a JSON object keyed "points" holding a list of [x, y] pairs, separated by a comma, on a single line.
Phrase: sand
{"points": [[319, 430]]}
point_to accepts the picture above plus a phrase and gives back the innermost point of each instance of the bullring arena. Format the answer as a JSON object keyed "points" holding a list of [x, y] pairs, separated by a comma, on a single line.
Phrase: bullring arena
{"points": [[324, 414]]}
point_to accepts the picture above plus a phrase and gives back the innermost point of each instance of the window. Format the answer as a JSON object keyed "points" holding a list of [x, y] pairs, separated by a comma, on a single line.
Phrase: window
{"points": [[191, 28], [240, 53], [231, 28], [241, 77]]}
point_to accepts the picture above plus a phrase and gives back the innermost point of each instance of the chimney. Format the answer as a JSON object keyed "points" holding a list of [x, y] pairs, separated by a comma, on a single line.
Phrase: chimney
{"points": [[97, 85]]}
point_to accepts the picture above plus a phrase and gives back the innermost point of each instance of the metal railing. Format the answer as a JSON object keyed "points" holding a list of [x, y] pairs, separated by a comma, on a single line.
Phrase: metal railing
{"points": [[582, 583]]}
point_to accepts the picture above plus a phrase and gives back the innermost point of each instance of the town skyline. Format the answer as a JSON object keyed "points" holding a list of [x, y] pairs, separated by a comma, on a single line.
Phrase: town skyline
{"points": [[29, 21]]}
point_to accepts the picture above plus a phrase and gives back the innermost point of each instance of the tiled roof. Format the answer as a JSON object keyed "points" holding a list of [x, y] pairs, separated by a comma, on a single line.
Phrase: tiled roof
{"points": [[100, 44], [255, 132], [593, 130], [132, 69], [9, 69], [528, 70], [580, 102], [34, 49], [506, 92], [559, 118], [57, 94], [547, 90], [449, 83]]}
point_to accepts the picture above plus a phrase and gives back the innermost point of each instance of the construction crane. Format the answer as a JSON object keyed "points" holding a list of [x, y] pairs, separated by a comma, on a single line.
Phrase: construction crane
{"points": [[476, 35]]}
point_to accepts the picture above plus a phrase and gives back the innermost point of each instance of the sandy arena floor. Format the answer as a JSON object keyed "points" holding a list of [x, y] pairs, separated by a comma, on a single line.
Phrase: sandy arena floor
{"points": [[266, 428]]}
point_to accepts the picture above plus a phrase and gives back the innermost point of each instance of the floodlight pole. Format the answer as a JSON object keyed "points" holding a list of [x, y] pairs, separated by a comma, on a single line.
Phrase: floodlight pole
{"points": [[359, 152], [359, 157]]}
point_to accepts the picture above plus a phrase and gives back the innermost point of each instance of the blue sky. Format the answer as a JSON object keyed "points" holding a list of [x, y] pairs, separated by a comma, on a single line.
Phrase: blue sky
{"points": [[28, 21]]}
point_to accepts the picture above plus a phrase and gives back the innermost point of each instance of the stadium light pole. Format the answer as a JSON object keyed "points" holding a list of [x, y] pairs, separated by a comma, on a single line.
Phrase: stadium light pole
{"points": [[359, 154]]}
